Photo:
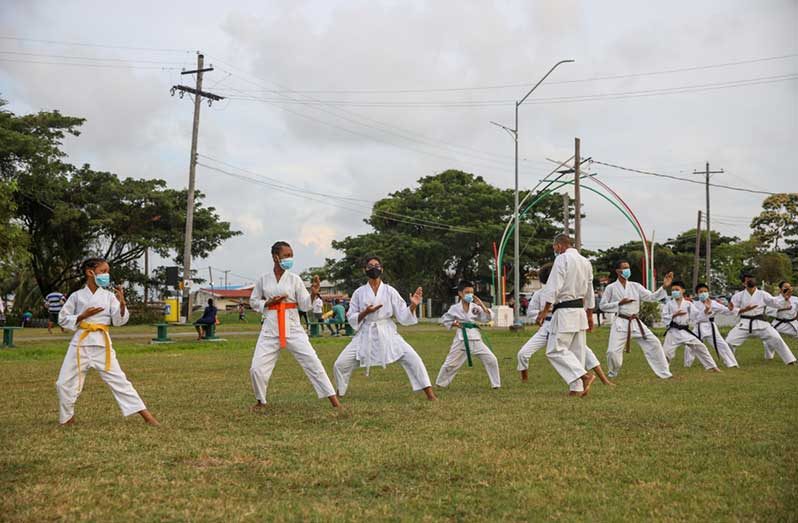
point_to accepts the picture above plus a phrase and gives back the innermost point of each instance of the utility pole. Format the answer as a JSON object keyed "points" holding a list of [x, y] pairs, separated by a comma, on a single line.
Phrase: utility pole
{"points": [[577, 198], [697, 255], [199, 94], [146, 274], [566, 201], [225, 278], [707, 172]]}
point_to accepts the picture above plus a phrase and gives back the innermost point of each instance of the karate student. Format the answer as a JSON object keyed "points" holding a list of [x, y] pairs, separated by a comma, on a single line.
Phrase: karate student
{"points": [[463, 316], [541, 337], [279, 295], [786, 316], [676, 314], [703, 312], [90, 312], [569, 295], [749, 304], [623, 297], [377, 342]]}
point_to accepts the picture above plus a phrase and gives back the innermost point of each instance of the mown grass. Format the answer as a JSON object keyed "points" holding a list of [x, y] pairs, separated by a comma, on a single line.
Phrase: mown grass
{"points": [[698, 447]]}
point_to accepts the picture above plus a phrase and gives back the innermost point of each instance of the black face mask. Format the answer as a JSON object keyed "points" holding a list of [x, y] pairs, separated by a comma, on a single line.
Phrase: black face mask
{"points": [[750, 284], [373, 272]]}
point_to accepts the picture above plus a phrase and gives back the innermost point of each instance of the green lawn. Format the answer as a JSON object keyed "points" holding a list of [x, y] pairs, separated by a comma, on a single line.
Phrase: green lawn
{"points": [[698, 447]]}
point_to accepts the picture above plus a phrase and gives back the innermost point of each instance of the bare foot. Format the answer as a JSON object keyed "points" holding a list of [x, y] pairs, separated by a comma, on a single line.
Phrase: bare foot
{"points": [[430, 394], [574, 393], [70, 421], [587, 381], [335, 402], [714, 369], [258, 408], [524, 375], [149, 418]]}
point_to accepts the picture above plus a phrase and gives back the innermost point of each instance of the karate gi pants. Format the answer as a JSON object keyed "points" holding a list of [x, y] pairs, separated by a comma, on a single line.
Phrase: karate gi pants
{"points": [[770, 338], [725, 354], [457, 357], [538, 341], [650, 345], [347, 362], [692, 346], [267, 350], [70, 381], [566, 352]]}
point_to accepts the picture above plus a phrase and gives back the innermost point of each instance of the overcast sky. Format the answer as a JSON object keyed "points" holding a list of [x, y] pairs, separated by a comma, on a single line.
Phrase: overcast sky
{"points": [[398, 80]]}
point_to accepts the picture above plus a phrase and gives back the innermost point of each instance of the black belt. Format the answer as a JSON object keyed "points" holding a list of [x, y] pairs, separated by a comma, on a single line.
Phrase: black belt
{"points": [[751, 320], [569, 304], [779, 321], [680, 327]]}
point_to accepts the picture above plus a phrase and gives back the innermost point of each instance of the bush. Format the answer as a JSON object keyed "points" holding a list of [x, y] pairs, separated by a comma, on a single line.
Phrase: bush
{"points": [[649, 312]]}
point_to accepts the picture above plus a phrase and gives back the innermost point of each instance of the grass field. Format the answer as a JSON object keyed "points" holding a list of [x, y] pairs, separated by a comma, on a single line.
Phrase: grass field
{"points": [[698, 447]]}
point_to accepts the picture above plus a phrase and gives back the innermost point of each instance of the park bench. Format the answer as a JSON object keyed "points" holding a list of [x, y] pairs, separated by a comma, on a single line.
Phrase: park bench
{"points": [[8, 335]]}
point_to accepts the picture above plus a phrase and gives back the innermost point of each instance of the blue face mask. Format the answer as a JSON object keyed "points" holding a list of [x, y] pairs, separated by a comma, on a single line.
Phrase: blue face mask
{"points": [[468, 298], [676, 294], [286, 263], [102, 280], [703, 296], [626, 273]]}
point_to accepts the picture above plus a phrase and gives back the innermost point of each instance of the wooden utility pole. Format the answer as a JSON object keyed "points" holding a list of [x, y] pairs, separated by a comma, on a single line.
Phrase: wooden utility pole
{"points": [[199, 94], [577, 198], [697, 255], [566, 201], [707, 172], [225, 278], [146, 274]]}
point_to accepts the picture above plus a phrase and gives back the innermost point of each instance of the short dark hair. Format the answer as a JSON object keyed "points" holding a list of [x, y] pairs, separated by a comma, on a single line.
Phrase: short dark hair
{"points": [[782, 282], [746, 275], [621, 262], [278, 246], [701, 286], [678, 283], [210, 301], [544, 272], [563, 239], [367, 259], [464, 284], [91, 263]]}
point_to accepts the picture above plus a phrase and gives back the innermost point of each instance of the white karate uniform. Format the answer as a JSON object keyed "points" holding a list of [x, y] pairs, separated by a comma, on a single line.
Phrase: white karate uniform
{"points": [[675, 336], [789, 325], [541, 338], [619, 329], [267, 349], [571, 278], [457, 355], [377, 342], [704, 327], [92, 353], [761, 329]]}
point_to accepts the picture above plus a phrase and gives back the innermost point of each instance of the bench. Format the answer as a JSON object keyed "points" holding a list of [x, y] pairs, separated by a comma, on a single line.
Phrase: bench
{"points": [[8, 335], [317, 328], [162, 335], [210, 331]]}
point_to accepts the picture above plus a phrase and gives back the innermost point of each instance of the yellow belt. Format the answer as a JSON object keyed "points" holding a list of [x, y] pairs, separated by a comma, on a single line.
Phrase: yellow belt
{"points": [[95, 327]]}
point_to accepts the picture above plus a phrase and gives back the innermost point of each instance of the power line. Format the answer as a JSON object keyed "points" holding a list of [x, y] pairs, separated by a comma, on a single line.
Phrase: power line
{"points": [[103, 46], [519, 85], [679, 178], [89, 58], [386, 215], [538, 101], [102, 66]]}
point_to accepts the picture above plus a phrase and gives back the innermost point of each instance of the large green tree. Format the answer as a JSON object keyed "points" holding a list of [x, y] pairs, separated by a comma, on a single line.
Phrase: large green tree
{"points": [[778, 221], [417, 250], [66, 213]]}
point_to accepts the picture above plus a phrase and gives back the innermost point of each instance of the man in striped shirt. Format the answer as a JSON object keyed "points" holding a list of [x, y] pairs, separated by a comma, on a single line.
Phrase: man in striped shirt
{"points": [[53, 301]]}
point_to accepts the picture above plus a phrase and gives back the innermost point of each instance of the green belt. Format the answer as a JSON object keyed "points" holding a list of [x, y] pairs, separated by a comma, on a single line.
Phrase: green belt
{"points": [[464, 328]]}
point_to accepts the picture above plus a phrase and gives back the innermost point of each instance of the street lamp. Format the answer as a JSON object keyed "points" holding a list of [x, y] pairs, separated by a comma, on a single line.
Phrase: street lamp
{"points": [[516, 247]]}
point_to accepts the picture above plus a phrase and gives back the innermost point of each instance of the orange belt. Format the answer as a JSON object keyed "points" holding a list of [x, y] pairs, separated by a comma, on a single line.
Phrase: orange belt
{"points": [[281, 308]]}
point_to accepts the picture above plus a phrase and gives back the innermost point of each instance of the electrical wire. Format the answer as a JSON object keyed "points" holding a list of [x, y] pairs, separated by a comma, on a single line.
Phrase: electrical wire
{"points": [[102, 66], [102, 46]]}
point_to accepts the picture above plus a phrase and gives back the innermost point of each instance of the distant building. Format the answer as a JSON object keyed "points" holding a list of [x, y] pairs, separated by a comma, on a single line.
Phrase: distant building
{"points": [[223, 298]]}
